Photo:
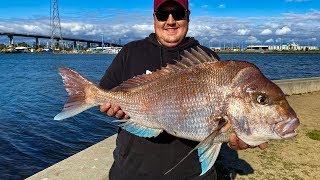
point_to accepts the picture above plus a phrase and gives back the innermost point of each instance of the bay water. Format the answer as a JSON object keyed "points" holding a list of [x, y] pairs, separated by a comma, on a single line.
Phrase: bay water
{"points": [[32, 93]]}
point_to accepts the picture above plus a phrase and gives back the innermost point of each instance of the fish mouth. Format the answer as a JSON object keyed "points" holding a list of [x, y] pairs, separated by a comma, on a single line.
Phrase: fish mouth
{"points": [[287, 129]]}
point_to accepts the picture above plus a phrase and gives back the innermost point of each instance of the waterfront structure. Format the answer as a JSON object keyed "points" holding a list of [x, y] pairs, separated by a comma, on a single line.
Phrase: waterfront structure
{"points": [[55, 25], [263, 48], [283, 47], [37, 37], [106, 50], [215, 48]]}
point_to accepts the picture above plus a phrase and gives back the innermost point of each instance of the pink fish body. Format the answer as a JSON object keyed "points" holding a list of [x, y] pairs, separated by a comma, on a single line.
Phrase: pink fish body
{"points": [[198, 98]]}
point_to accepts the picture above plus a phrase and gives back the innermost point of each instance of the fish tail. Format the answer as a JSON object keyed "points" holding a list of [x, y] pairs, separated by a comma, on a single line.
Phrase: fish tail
{"points": [[77, 88]]}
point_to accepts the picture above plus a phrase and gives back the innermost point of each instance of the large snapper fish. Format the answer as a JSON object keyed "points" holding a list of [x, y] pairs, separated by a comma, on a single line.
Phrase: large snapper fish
{"points": [[199, 98]]}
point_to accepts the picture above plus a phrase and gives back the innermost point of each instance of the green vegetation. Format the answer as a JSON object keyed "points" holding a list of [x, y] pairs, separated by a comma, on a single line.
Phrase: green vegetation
{"points": [[3, 46], [23, 44], [315, 135]]}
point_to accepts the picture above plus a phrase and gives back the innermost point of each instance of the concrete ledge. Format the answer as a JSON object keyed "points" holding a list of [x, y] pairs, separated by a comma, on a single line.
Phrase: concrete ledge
{"points": [[91, 163], [299, 86], [95, 161]]}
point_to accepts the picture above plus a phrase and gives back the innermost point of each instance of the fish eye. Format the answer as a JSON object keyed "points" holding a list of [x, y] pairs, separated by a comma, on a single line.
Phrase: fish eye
{"points": [[262, 99]]}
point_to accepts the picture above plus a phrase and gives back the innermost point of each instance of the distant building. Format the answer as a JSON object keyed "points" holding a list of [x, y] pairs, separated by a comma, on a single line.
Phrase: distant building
{"points": [[285, 47], [229, 49], [257, 47], [215, 48], [106, 50]]}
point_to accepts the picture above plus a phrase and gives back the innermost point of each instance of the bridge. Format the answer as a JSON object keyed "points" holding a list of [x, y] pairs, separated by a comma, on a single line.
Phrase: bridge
{"points": [[75, 40]]}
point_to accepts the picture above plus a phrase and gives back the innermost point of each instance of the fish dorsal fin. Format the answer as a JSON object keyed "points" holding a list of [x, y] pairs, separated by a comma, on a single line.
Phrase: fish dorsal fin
{"points": [[203, 56], [188, 59]]}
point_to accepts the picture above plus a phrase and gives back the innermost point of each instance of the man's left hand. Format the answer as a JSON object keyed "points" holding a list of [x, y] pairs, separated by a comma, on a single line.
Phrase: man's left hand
{"points": [[237, 144]]}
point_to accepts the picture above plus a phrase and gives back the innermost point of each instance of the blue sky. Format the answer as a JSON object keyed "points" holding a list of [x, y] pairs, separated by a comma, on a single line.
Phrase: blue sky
{"points": [[213, 22]]}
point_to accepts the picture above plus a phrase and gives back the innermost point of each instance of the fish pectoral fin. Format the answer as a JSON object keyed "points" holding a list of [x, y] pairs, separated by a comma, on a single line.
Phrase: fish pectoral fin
{"points": [[140, 130], [208, 154], [208, 151]]}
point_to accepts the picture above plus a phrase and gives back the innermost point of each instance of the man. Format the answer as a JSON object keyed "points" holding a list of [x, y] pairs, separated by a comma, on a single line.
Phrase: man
{"points": [[150, 158]]}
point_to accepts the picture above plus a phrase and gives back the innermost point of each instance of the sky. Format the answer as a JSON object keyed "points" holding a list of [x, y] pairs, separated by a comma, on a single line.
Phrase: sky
{"points": [[212, 22]]}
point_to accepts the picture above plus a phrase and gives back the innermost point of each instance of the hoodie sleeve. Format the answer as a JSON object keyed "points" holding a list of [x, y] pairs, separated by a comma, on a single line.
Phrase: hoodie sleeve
{"points": [[113, 75]]}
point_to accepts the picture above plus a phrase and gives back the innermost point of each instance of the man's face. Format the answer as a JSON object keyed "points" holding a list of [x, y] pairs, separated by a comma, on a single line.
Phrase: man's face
{"points": [[171, 32]]}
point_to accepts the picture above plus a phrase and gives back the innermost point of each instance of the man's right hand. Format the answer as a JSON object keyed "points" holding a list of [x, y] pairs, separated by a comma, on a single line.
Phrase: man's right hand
{"points": [[113, 111]]}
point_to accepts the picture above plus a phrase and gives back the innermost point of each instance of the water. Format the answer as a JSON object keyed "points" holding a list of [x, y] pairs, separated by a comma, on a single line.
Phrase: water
{"points": [[282, 66], [32, 94]]}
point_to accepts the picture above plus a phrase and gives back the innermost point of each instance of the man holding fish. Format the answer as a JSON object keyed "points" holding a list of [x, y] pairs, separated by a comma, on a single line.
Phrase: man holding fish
{"points": [[149, 158], [179, 103]]}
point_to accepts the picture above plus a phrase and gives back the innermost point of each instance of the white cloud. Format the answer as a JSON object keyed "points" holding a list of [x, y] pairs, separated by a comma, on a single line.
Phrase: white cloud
{"points": [[204, 6], [143, 27], [243, 32], [222, 6], [313, 15], [140, 30], [269, 41], [31, 28], [252, 40], [266, 32], [283, 31], [216, 30], [279, 40], [274, 26], [78, 28], [214, 40], [200, 30]]}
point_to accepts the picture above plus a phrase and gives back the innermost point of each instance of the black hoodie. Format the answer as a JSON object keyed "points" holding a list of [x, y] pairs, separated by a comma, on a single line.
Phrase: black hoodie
{"points": [[150, 158]]}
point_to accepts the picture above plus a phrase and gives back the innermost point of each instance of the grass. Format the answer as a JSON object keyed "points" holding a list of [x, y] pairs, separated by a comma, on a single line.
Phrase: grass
{"points": [[315, 135]]}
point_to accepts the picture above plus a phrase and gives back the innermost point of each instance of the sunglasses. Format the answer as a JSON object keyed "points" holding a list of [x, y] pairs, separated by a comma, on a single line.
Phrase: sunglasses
{"points": [[163, 15]]}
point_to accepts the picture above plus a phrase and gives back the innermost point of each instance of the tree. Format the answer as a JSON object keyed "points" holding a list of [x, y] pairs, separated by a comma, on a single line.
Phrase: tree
{"points": [[3, 46], [23, 44]]}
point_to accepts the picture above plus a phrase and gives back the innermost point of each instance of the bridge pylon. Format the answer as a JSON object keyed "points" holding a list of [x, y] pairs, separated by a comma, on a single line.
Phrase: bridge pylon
{"points": [[55, 26]]}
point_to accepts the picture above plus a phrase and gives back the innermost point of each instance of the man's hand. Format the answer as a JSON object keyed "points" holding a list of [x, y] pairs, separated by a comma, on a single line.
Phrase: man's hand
{"points": [[237, 144], [113, 111]]}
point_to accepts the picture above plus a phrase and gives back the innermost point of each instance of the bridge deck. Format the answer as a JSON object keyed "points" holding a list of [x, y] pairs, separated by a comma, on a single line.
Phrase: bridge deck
{"points": [[57, 38]]}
